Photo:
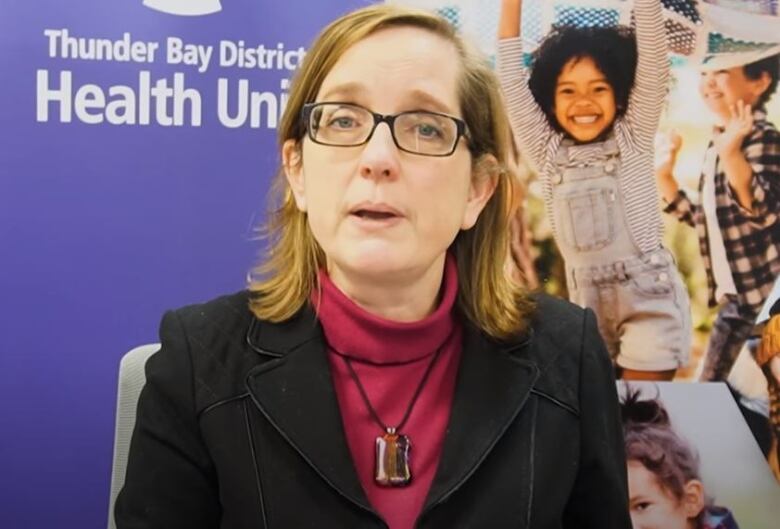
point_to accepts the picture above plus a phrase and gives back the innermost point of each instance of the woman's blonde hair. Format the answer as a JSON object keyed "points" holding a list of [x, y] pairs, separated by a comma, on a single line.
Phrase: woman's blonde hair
{"points": [[283, 283]]}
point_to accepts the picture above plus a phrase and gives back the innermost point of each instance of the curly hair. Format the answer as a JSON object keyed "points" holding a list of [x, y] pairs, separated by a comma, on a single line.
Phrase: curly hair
{"points": [[650, 440], [613, 49], [754, 70]]}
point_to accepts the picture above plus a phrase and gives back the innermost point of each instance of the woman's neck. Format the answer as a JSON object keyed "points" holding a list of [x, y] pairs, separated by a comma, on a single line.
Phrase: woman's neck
{"points": [[405, 297]]}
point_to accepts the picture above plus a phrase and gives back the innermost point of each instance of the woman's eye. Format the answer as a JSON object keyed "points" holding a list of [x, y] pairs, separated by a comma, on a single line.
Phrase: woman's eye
{"points": [[601, 89], [641, 506], [342, 122], [427, 130], [566, 91]]}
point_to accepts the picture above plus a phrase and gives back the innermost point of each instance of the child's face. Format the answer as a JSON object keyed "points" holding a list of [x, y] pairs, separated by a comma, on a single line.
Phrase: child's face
{"points": [[652, 506], [584, 100], [721, 89]]}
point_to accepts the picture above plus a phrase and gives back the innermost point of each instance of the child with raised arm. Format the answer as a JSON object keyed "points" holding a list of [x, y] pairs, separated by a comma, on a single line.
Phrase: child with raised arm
{"points": [[736, 217], [587, 114]]}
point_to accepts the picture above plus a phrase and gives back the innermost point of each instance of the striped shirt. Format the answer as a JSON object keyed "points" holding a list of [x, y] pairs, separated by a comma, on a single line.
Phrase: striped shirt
{"points": [[634, 131]]}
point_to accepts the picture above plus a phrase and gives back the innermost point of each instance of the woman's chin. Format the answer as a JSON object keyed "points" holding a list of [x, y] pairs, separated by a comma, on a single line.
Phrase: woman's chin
{"points": [[376, 263], [380, 260]]}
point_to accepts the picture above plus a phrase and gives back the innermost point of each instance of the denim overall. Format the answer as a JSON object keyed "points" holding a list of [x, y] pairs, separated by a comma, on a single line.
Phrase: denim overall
{"points": [[639, 299]]}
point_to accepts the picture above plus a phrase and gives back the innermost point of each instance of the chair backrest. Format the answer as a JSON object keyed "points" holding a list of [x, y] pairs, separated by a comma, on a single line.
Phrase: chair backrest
{"points": [[132, 378]]}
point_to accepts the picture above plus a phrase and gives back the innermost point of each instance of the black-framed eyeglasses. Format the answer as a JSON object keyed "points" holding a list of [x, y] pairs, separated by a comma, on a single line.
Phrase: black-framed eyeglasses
{"points": [[349, 125]]}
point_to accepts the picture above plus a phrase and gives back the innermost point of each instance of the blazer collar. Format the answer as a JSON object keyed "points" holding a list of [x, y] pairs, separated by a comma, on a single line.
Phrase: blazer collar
{"points": [[294, 391], [494, 381]]}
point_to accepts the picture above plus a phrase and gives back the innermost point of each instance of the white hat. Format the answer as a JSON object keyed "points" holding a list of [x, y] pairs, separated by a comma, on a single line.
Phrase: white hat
{"points": [[723, 61]]}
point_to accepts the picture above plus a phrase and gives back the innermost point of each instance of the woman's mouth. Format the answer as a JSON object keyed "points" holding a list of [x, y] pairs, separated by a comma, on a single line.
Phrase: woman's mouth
{"points": [[375, 215]]}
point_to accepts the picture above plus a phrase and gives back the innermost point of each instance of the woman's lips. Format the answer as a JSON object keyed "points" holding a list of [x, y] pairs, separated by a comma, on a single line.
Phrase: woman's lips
{"points": [[375, 215]]}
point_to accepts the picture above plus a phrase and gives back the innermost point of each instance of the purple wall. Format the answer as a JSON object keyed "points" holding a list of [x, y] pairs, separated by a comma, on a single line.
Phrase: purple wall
{"points": [[103, 226]]}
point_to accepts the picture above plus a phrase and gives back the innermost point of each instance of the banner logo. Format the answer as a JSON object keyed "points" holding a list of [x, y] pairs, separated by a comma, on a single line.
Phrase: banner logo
{"points": [[185, 7]]}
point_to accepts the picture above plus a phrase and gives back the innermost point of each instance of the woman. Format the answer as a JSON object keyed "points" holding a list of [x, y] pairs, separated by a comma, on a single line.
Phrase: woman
{"points": [[384, 371]]}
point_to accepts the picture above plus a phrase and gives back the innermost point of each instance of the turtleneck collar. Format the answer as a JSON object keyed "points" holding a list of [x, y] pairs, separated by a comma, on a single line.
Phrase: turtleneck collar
{"points": [[353, 331]]}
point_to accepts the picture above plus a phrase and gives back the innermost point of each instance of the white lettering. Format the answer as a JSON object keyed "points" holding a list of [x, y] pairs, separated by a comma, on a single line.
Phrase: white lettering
{"points": [[228, 53], [161, 93], [238, 55], [121, 110], [258, 100], [262, 109], [64, 46], [87, 97], [167, 105], [44, 95], [174, 48], [190, 54], [222, 103], [144, 103], [182, 95]]}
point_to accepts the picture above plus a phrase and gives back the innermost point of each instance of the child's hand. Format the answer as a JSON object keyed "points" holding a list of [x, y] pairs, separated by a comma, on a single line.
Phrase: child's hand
{"points": [[728, 140], [667, 146], [509, 22]]}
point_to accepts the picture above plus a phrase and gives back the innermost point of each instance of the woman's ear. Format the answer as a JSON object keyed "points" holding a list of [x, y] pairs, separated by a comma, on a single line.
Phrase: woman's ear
{"points": [[292, 162], [693, 498], [484, 179]]}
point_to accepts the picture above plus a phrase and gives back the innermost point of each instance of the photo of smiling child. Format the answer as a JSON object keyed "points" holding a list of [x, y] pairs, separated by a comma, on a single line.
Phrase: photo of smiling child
{"points": [[587, 114], [737, 214]]}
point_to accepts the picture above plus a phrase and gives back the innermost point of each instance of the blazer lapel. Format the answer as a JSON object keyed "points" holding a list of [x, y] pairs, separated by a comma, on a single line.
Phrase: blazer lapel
{"points": [[492, 386], [294, 391]]}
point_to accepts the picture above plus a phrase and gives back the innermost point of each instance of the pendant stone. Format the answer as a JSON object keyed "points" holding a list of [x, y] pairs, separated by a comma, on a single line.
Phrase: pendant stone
{"points": [[392, 460]]}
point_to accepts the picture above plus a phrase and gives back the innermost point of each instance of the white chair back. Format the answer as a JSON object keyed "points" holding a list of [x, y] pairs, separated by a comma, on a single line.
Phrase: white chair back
{"points": [[132, 378]]}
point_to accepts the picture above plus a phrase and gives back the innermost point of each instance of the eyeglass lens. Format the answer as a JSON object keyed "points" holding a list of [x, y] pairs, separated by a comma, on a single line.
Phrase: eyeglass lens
{"points": [[347, 125]]}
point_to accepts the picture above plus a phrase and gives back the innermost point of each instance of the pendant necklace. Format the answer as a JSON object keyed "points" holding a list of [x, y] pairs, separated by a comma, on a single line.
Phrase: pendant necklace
{"points": [[391, 457]]}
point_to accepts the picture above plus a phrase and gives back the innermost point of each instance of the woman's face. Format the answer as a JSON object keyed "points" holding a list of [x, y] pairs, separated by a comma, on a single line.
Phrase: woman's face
{"points": [[584, 100], [376, 211], [653, 507]]}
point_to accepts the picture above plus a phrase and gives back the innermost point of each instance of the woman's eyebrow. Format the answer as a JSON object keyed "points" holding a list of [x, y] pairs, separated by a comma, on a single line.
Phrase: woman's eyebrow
{"points": [[347, 90], [421, 96]]}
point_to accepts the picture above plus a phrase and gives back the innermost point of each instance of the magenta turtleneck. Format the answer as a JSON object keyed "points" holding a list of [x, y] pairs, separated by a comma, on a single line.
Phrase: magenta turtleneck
{"points": [[390, 359]]}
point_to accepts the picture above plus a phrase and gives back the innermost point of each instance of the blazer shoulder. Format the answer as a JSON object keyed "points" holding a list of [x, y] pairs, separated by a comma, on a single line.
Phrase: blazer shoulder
{"points": [[557, 348], [223, 309], [557, 320], [213, 336]]}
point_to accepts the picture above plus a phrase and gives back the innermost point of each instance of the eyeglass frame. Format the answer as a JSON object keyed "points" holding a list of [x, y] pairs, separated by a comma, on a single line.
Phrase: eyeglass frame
{"points": [[461, 126]]}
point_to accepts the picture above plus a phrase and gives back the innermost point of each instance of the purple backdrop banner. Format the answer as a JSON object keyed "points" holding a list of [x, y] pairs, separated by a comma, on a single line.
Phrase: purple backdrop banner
{"points": [[138, 139]]}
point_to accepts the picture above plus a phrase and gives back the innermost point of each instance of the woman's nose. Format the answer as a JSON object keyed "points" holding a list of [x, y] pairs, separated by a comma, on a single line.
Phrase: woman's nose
{"points": [[379, 158]]}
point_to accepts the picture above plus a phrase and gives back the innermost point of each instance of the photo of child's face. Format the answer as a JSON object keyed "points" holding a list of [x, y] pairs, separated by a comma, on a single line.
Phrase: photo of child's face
{"points": [[652, 506], [721, 89], [584, 100]]}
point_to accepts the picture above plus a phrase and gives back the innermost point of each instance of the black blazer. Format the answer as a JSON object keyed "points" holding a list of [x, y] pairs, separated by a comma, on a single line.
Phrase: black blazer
{"points": [[239, 427]]}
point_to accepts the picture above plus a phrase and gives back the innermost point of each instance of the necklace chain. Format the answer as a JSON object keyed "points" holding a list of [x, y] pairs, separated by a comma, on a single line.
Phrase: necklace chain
{"points": [[417, 392]]}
